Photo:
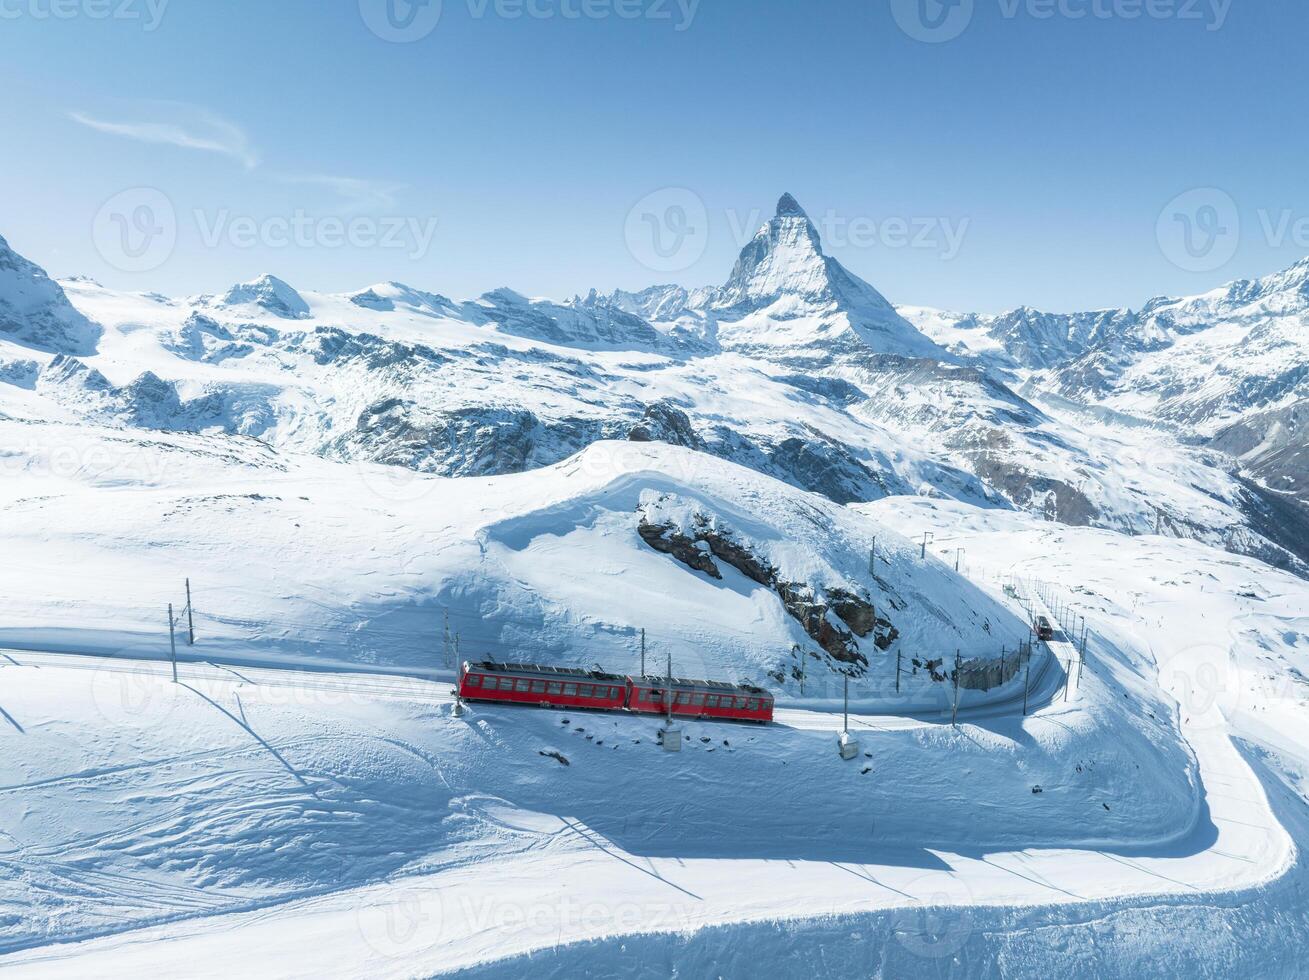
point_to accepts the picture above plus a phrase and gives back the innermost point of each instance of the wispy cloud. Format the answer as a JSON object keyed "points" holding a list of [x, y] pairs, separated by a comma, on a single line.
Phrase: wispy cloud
{"points": [[194, 128], [175, 124]]}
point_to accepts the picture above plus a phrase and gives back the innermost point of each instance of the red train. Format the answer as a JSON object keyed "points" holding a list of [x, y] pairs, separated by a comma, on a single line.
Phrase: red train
{"points": [[560, 687]]}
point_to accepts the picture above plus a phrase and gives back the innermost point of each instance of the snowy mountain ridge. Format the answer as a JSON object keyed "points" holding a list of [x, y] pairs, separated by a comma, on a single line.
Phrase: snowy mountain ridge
{"points": [[794, 368]]}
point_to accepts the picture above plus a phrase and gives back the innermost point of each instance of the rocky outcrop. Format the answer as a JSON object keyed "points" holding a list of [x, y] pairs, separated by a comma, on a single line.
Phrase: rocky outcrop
{"points": [[663, 422], [472, 441], [671, 541], [835, 618]]}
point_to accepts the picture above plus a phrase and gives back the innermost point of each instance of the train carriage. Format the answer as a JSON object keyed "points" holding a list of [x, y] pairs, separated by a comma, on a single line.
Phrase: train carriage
{"points": [[542, 686], [700, 699]]}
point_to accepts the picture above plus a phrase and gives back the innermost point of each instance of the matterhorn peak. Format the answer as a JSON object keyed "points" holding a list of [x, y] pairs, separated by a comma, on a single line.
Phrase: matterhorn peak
{"points": [[783, 271], [789, 207]]}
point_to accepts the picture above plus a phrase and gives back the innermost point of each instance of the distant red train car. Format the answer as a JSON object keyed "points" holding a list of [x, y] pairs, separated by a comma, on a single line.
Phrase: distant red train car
{"points": [[700, 699], [542, 686], [561, 687]]}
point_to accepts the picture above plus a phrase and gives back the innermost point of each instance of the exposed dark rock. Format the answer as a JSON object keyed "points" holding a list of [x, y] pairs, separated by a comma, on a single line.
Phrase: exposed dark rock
{"points": [[473, 441], [668, 539], [663, 422], [741, 558], [857, 613]]}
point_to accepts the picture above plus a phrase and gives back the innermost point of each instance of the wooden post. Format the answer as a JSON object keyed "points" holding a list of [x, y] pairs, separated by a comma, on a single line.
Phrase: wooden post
{"points": [[190, 617], [172, 642], [898, 655], [642, 651]]}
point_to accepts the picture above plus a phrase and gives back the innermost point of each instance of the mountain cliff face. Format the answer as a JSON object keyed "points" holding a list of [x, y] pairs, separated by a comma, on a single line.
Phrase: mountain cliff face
{"points": [[793, 367], [35, 313]]}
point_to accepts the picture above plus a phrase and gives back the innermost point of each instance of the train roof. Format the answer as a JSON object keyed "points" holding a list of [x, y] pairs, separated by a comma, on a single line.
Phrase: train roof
{"points": [[711, 687], [681, 683], [542, 670]]}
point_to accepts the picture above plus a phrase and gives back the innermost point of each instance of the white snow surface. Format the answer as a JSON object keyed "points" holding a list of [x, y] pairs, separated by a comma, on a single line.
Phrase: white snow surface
{"points": [[340, 475]]}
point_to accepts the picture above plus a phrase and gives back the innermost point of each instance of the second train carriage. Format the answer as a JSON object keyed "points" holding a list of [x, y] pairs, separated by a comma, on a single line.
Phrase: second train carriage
{"points": [[700, 699], [562, 687]]}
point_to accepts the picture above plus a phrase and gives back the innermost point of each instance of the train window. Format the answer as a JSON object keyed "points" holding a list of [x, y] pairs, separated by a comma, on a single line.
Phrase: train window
{"points": [[538, 687], [472, 680], [613, 692], [711, 700], [752, 704], [697, 699], [554, 688], [523, 684], [570, 690], [584, 690]]}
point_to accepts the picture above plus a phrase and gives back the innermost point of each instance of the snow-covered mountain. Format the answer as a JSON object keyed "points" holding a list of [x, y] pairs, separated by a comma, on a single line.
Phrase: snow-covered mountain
{"points": [[1229, 367], [793, 367], [34, 312]]}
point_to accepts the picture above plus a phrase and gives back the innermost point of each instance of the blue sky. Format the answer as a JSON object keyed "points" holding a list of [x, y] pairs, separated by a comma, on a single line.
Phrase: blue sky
{"points": [[1031, 159]]}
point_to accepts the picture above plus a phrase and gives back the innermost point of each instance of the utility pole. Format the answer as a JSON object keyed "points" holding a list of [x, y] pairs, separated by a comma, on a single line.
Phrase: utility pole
{"points": [[1068, 676], [958, 552], [954, 714], [897, 671], [846, 746], [642, 651], [190, 617], [172, 642], [872, 557], [1027, 683], [926, 536], [669, 737], [445, 639]]}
